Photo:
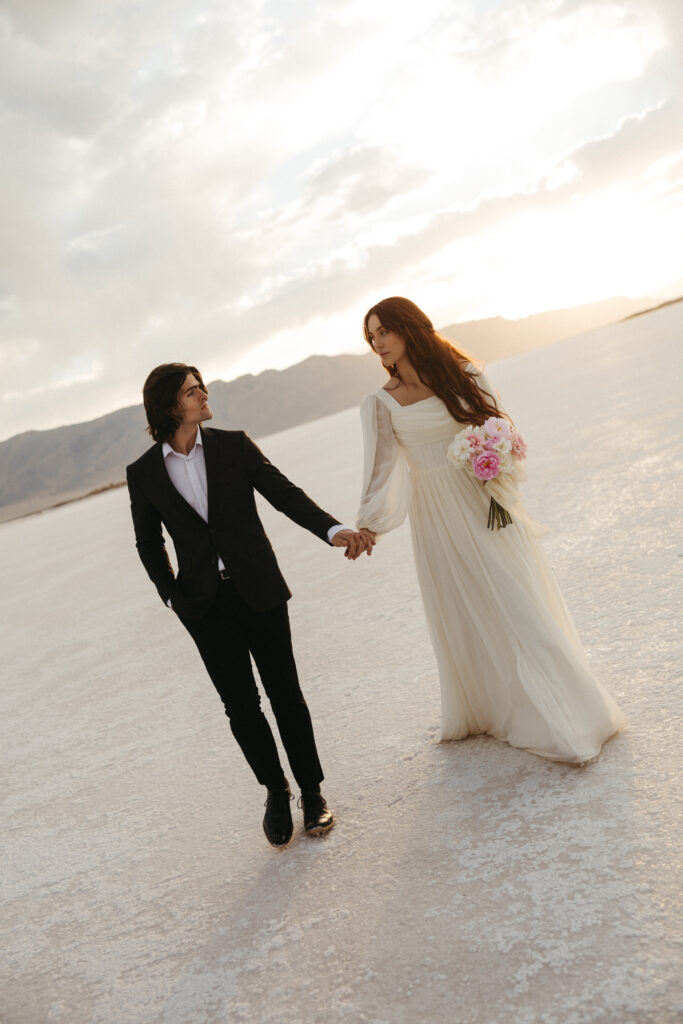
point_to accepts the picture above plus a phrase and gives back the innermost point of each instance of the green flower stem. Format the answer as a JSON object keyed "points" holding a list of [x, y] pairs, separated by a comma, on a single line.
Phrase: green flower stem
{"points": [[499, 517]]}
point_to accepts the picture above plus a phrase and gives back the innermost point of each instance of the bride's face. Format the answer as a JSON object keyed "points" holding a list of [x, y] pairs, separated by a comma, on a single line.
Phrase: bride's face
{"points": [[388, 345]]}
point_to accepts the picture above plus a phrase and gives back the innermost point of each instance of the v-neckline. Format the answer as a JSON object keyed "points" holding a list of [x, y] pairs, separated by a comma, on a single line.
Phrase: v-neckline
{"points": [[410, 404]]}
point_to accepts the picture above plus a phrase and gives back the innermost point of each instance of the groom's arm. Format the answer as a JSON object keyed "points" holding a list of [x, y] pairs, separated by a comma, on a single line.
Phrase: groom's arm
{"points": [[283, 495], [149, 540]]}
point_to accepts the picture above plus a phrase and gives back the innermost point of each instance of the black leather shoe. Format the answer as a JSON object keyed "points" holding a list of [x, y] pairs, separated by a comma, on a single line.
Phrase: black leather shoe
{"points": [[318, 818], [277, 821]]}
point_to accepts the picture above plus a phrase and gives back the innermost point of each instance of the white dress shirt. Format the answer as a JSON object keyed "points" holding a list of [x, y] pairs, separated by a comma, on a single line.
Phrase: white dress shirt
{"points": [[188, 476]]}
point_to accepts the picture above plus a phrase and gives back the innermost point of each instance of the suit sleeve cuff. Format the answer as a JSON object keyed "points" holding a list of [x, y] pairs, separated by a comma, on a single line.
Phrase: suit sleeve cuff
{"points": [[334, 530]]}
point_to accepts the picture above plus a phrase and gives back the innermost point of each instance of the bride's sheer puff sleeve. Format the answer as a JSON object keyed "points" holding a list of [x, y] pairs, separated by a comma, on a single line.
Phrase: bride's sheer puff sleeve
{"points": [[386, 487]]}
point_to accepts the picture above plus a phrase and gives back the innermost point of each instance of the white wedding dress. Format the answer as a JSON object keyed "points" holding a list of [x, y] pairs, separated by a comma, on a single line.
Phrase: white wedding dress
{"points": [[510, 659]]}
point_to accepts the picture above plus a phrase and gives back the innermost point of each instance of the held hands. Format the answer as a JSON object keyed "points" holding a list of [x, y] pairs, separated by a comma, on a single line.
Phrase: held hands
{"points": [[355, 543], [368, 538]]}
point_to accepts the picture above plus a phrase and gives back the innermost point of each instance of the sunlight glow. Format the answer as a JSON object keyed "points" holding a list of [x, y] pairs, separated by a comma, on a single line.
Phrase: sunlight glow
{"points": [[613, 243], [541, 74]]}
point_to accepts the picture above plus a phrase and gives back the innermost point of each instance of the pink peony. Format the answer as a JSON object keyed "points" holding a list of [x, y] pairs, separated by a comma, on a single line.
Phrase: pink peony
{"points": [[475, 442], [519, 447], [486, 465], [496, 425]]}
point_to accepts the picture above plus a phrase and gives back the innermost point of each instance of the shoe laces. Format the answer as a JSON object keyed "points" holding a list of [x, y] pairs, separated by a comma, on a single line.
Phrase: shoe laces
{"points": [[316, 800], [273, 794]]}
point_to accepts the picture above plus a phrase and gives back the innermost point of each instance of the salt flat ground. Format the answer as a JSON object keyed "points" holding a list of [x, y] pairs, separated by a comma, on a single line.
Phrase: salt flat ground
{"points": [[467, 883]]}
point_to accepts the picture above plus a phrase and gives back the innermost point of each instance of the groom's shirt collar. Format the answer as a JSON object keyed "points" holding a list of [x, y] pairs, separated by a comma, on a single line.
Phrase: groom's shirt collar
{"points": [[167, 450]]}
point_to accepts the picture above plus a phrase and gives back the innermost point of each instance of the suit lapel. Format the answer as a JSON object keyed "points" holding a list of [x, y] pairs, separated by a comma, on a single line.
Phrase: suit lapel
{"points": [[211, 461], [161, 482]]}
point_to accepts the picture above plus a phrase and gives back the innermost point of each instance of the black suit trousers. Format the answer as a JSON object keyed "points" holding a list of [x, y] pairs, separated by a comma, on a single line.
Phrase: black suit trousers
{"points": [[226, 637]]}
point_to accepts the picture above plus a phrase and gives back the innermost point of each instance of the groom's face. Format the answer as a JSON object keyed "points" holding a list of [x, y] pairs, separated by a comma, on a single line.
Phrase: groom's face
{"points": [[193, 403]]}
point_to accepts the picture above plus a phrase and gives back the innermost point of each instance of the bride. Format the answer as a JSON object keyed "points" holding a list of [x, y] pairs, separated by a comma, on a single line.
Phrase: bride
{"points": [[509, 657]]}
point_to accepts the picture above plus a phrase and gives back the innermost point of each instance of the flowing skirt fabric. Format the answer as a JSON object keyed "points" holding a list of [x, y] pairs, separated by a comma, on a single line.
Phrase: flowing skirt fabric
{"points": [[510, 659]]}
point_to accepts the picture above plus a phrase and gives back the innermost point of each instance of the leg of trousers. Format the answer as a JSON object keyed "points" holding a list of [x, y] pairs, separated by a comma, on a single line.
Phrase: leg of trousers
{"points": [[226, 636]]}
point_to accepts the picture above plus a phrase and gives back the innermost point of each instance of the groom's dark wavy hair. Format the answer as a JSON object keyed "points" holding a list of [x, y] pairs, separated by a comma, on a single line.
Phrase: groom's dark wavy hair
{"points": [[160, 395], [439, 364]]}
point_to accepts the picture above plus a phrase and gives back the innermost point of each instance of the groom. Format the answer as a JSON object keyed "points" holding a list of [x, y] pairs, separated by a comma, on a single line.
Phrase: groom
{"points": [[229, 592]]}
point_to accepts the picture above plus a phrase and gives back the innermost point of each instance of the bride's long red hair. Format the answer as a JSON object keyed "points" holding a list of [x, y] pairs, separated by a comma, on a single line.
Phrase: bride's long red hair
{"points": [[439, 364]]}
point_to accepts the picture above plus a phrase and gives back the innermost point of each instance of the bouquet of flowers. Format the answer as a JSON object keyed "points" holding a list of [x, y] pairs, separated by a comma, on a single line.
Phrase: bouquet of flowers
{"points": [[490, 452]]}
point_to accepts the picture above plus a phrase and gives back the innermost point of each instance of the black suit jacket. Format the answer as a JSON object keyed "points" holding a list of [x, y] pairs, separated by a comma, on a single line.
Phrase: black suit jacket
{"points": [[235, 467]]}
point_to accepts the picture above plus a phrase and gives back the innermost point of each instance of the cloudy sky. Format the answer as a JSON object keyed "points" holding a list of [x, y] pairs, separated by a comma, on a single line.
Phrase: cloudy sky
{"points": [[233, 183]]}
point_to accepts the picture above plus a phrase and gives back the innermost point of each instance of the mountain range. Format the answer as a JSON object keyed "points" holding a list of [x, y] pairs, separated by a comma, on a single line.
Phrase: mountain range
{"points": [[40, 469]]}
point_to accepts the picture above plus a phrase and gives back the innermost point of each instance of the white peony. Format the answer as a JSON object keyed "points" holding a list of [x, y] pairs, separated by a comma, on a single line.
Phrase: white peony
{"points": [[459, 449]]}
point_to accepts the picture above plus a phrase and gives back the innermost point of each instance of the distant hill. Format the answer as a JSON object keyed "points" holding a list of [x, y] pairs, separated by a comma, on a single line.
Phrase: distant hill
{"points": [[653, 309], [39, 469], [497, 338]]}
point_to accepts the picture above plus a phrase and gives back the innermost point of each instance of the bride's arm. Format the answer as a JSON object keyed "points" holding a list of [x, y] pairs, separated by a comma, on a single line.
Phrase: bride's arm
{"points": [[386, 488]]}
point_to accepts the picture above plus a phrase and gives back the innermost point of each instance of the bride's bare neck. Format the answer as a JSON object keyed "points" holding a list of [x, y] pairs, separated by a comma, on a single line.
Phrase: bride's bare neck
{"points": [[408, 383], [407, 374]]}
